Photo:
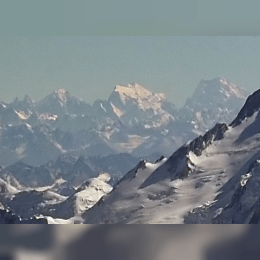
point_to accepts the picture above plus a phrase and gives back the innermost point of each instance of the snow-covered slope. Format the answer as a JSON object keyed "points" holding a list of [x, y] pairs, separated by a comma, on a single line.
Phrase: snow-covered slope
{"points": [[150, 192], [69, 211], [213, 179], [126, 199], [238, 198]]}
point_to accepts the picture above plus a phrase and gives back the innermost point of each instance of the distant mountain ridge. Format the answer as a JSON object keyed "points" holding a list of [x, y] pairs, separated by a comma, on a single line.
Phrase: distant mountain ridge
{"points": [[133, 120]]}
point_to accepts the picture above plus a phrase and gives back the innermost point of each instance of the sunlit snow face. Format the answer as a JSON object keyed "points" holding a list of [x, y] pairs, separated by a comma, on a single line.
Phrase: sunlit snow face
{"points": [[231, 89]]}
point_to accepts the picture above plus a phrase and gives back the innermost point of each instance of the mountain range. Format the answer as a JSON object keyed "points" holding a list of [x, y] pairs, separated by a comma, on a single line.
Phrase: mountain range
{"points": [[71, 162], [132, 120]]}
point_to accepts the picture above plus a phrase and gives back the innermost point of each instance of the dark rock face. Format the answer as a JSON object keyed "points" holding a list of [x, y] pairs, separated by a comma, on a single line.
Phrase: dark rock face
{"points": [[27, 175], [11, 218], [25, 204], [132, 174], [175, 167], [117, 165], [200, 143], [8, 217], [74, 170], [79, 172], [251, 106]]}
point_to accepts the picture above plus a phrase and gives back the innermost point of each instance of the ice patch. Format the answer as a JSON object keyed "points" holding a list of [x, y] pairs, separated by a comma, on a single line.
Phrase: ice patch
{"points": [[116, 110], [48, 117], [22, 115], [218, 212], [52, 220], [154, 166], [193, 158], [59, 147], [244, 179], [102, 107]]}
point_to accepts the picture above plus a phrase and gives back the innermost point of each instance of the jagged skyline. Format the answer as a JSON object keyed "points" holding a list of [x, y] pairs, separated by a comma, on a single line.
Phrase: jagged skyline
{"points": [[89, 67]]}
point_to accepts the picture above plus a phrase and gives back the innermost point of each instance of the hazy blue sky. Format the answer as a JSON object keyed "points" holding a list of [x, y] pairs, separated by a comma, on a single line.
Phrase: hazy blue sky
{"points": [[90, 66]]}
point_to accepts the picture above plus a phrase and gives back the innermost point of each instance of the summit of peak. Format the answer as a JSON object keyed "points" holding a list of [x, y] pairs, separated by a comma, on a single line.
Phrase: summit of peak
{"points": [[136, 91], [61, 91], [221, 85], [28, 100], [62, 94], [125, 96], [251, 106], [130, 85]]}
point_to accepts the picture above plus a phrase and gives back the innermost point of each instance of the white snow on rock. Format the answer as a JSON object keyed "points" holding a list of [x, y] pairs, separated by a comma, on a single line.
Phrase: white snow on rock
{"points": [[22, 115], [48, 117], [244, 179], [144, 98], [56, 221], [62, 95], [95, 190], [52, 198], [116, 110], [101, 105], [231, 89]]}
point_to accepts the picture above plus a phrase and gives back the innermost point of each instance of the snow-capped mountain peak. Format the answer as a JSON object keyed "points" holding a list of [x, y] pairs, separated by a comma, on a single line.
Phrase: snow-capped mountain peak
{"points": [[216, 100], [251, 106], [221, 87], [62, 95], [28, 100], [59, 97], [229, 89], [138, 107], [144, 98]]}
